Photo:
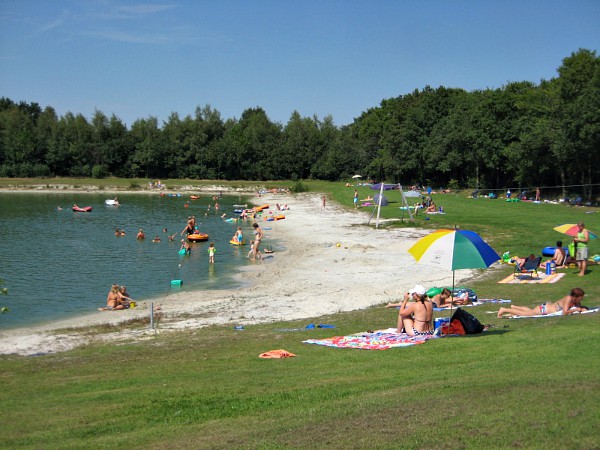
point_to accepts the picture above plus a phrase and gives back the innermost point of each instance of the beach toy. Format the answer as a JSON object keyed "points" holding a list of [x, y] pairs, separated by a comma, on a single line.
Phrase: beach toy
{"points": [[432, 292], [176, 282]]}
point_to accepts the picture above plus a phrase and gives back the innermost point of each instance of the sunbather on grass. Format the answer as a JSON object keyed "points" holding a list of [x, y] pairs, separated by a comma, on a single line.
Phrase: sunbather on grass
{"points": [[445, 299], [567, 305]]}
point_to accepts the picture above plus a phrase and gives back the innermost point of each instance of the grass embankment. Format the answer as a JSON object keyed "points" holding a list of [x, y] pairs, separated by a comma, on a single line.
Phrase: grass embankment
{"points": [[525, 383]]}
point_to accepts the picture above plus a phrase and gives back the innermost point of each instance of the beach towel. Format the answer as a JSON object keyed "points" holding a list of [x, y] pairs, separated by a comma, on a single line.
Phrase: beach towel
{"points": [[374, 340], [543, 278], [556, 314], [479, 302], [275, 354]]}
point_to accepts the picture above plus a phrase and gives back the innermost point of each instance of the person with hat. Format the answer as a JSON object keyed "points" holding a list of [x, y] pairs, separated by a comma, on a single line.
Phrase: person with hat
{"points": [[415, 318]]}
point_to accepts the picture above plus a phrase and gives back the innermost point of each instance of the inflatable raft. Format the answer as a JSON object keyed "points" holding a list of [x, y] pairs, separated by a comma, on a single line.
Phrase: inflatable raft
{"points": [[197, 237], [234, 242], [84, 209]]}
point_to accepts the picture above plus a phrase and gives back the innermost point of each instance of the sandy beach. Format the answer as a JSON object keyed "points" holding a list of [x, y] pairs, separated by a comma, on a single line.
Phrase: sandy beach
{"points": [[328, 261]]}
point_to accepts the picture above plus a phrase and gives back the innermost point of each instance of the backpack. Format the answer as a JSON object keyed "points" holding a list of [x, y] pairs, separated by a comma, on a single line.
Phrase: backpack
{"points": [[469, 322]]}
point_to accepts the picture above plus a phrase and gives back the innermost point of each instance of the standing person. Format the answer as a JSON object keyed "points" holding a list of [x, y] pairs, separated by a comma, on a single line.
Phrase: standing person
{"points": [[567, 305], [238, 236], [415, 318], [581, 241], [323, 200], [355, 199], [258, 236], [538, 194], [211, 253], [189, 226]]}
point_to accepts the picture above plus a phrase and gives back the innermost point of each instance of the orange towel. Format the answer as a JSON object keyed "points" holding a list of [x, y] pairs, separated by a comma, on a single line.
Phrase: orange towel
{"points": [[276, 354]]}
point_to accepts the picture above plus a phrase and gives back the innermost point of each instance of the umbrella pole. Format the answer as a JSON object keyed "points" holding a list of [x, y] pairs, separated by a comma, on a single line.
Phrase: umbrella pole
{"points": [[452, 297]]}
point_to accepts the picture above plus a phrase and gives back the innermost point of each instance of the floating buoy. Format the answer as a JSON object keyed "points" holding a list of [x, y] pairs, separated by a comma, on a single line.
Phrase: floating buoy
{"points": [[176, 282]]}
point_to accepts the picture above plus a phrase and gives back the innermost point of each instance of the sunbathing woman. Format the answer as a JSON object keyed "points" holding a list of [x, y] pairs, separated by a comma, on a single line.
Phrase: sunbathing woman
{"points": [[567, 305], [416, 318], [445, 300]]}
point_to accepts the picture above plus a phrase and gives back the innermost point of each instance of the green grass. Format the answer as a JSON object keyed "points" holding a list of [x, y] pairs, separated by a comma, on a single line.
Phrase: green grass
{"points": [[523, 384]]}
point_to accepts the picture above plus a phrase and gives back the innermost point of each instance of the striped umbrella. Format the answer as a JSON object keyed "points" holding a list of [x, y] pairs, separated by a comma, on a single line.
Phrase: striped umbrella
{"points": [[571, 229], [453, 250]]}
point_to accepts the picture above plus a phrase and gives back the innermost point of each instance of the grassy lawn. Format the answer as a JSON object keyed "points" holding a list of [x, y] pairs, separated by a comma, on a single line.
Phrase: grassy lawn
{"points": [[523, 384]]}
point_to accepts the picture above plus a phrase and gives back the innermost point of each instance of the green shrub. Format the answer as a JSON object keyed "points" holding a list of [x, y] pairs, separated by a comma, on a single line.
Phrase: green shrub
{"points": [[99, 171], [298, 187]]}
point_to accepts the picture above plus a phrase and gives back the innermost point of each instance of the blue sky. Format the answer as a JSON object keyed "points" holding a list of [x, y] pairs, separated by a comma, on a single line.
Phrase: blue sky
{"points": [[317, 57]]}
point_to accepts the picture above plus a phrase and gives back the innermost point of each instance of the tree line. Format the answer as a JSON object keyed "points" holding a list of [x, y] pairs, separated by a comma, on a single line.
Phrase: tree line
{"points": [[520, 135]]}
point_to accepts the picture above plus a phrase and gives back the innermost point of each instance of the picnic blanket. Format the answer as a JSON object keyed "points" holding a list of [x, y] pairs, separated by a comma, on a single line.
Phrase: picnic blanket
{"points": [[521, 279], [478, 302], [559, 313], [372, 340]]}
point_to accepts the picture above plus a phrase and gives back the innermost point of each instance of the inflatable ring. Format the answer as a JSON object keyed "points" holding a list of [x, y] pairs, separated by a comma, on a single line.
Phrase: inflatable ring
{"points": [[197, 237]]}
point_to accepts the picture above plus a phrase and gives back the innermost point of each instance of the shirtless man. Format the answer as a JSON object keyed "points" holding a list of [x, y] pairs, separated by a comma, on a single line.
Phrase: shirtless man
{"points": [[567, 305]]}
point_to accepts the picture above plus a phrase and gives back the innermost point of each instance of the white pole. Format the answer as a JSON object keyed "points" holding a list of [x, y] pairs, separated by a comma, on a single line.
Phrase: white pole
{"points": [[379, 206], [152, 315]]}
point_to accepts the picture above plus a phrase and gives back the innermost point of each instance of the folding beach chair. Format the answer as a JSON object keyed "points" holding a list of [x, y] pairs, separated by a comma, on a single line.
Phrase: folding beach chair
{"points": [[529, 267]]}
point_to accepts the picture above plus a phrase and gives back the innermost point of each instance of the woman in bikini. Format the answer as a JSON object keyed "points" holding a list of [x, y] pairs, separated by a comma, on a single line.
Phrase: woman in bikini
{"points": [[567, 305], [415, 318], [445, 299], [258, 235], [115, 300]]}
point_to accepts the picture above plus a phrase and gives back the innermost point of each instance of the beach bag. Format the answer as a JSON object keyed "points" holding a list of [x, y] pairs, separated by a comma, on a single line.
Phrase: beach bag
{"points": [[572, 249], [469, 322], [454, 327]]}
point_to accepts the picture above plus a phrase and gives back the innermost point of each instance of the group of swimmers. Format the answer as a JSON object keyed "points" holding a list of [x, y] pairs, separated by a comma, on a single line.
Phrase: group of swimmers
{"points": [[416, 309]]}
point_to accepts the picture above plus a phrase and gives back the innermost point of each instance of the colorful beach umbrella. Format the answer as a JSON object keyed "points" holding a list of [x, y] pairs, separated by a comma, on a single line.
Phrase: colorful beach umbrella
{"points": [[453, 250], [571, 229]]}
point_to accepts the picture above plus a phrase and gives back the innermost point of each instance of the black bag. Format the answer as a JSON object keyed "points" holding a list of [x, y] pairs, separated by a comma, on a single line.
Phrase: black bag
{"points": [[469, 322]]}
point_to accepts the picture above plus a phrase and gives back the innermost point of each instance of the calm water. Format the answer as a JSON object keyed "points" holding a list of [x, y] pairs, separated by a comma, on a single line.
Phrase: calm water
{"points": [[59, 264]]}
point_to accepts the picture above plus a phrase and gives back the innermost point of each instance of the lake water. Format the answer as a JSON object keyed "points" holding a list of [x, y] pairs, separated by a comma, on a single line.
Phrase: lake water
{"points": [[60, 264]]}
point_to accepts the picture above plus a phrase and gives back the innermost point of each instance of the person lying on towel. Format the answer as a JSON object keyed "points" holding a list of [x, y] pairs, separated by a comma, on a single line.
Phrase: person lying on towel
{"points": [[567, 305]]}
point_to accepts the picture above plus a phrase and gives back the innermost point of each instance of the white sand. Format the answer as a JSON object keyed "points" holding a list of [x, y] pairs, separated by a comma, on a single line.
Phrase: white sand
{"points": [[308, 276]]}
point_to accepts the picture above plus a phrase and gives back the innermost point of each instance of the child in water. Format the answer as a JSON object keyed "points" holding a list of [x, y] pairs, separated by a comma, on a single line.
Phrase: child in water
{"points": [[211, 253]]}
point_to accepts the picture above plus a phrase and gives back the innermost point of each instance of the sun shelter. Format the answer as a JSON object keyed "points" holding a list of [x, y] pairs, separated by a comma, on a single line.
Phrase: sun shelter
{"points": [[384, 201], [386, 187]]}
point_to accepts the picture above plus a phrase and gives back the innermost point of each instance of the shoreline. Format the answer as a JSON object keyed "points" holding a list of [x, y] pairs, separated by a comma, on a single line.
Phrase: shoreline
{"points": [[311, 276]]}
